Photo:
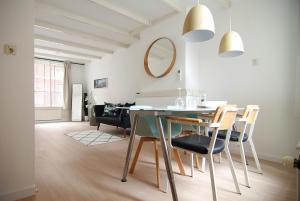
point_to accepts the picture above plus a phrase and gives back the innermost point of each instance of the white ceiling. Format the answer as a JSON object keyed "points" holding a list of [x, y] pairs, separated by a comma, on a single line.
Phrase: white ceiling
{"points": [[81, 30]]}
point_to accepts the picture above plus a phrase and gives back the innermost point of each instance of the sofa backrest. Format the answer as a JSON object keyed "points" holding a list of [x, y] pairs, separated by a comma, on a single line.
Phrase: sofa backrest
{"points": [[99, 109]]}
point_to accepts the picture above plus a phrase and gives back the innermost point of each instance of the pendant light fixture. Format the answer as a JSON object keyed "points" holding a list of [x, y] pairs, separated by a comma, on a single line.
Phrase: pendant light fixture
{"points": [[231, 44], [199, 24]]}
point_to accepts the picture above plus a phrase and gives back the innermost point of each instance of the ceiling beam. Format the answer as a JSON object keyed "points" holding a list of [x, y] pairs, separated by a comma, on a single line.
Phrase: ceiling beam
{"points": [[174, 5], [43, 55], [49, 26], [88, 21], [138, 30], [122, 11], [73, 44], [67, 52]]}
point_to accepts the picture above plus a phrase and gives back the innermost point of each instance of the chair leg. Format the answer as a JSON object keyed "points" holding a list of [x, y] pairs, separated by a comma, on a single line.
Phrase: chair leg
{"points": [[192, 165], [197, 161], [232, 170], [179, 162], [255, 156], [136, 156], [203, 164], [156, 163], [212, 177], [244, 164], [98, 126]]}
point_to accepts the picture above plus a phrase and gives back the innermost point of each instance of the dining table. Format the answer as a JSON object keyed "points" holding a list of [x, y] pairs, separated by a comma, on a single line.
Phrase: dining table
{"points": [[136, 112]]}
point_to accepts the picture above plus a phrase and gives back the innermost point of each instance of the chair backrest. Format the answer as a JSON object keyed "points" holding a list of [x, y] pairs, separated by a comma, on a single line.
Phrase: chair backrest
{"points": [[225, 116], [251, 113]]}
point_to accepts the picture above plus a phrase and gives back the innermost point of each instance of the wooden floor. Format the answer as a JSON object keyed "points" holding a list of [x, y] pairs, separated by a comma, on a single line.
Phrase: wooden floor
{"points": [[67, 170]]}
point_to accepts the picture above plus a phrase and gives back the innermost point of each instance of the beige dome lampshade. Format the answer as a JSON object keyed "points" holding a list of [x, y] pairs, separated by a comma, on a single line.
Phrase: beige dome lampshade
{"points": [[199, 24], [231, 45]]}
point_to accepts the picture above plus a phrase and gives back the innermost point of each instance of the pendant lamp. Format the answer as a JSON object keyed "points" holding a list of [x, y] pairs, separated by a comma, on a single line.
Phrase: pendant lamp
{"points": [[231, 44], [199, 24]]}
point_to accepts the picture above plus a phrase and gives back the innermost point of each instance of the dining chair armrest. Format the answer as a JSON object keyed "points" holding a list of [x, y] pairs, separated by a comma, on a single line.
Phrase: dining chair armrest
{"points": [[193, 121], [185, 120], [209, 116]]}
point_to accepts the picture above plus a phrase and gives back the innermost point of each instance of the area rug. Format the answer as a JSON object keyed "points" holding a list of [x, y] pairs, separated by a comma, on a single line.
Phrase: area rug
{"points": [[94, 137]]}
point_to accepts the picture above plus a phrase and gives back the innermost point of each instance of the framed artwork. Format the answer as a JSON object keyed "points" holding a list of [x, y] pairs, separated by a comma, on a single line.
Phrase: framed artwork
{"points": [[100, 83]]}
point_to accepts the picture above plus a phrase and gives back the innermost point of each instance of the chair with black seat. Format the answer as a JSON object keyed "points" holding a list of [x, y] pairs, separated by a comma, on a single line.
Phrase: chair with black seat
{"points": [[247, 119], [206, 146]]}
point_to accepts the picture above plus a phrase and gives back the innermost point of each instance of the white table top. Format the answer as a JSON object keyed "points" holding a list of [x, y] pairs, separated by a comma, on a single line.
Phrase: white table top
{"points": [[172, 109]]}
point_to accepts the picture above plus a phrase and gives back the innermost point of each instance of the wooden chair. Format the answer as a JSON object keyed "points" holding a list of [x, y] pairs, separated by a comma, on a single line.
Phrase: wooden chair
{"points": [[147, 130], [247, 120], [207, 146]]}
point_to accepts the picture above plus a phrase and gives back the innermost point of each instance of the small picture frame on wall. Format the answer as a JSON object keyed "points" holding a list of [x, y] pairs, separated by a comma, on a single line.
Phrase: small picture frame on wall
{"points": [[100, 83]]}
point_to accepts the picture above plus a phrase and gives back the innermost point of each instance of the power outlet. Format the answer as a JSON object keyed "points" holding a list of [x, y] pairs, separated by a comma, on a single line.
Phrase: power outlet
{"points": [[10, 49]]}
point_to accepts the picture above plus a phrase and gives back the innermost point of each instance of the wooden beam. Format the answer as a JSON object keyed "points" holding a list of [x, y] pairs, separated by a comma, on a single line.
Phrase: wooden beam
{"points": [[43, 55], [49, 26], [73, 44], [122, 11], [67, 52], [138, 30], [174, 5], [88, 21]]}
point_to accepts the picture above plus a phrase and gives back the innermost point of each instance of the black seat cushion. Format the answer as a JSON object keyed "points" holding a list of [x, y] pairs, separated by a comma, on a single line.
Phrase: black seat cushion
{"points": [[235, 135], [197, 143]]}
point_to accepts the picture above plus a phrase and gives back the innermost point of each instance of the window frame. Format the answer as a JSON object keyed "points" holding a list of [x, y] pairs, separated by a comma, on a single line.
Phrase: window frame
{"points": [[51, 66]]}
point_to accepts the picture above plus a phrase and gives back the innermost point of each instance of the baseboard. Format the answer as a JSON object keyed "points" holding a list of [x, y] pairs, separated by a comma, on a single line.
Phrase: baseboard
{"points": [[19, 194], [248, 153]]}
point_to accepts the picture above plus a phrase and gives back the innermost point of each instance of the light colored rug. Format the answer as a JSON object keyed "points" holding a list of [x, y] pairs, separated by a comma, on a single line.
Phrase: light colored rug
{"points": [[93, 137]]}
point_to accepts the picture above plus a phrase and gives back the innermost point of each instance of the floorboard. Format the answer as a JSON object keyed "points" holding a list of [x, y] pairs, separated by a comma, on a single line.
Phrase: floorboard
{"points": [[67, 170]]}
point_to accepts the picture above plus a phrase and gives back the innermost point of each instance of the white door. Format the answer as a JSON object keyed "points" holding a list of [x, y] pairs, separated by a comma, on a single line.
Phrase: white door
{"points": [[77, 102]]}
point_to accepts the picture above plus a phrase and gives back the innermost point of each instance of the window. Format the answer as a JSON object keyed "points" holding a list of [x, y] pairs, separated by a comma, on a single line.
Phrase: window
{"points": [[48, 83]]}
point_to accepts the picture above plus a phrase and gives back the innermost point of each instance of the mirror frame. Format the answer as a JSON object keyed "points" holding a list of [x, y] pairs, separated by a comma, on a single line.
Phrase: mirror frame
{"points": [[146, 66]]}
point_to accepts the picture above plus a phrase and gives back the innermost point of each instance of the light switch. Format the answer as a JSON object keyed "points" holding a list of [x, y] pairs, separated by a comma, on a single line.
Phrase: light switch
{"points": [[254, 62], [10, 49]]}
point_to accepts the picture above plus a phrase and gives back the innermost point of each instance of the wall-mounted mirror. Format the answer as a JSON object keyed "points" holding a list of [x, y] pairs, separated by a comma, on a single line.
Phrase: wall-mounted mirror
{"points": [[160, 57]]}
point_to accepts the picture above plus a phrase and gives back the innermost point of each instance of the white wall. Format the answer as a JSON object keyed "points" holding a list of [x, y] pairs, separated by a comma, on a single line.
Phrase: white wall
{"points": [[16, 100], [78, 75], [269, 31], [125, 68]]}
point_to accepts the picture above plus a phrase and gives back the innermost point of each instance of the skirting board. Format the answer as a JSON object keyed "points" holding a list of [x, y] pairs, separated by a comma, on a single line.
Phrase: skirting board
{"points": [[235, 150], [19, 194]]}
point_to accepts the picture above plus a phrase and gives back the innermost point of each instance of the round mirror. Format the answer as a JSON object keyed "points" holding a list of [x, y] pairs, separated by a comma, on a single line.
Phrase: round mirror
{"points": [[160, 57]]}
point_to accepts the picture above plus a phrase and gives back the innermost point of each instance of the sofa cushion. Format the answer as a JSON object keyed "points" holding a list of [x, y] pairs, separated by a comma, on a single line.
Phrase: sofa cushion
{"points": [[110, 110]]}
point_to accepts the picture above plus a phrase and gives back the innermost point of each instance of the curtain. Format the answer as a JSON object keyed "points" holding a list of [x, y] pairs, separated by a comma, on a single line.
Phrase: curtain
{"points": [[67, 91]]}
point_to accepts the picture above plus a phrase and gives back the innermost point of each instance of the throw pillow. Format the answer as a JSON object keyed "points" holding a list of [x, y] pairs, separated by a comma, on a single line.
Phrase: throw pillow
{"points": [[110, 110]]}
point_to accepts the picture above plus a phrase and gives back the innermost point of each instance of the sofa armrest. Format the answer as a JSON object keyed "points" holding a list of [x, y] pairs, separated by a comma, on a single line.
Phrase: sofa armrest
{"points": [[99, 110], [124, 113]]}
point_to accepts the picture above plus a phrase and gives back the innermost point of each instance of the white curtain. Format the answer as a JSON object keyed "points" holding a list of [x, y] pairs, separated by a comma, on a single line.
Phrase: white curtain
{"points": [[67, 92]]}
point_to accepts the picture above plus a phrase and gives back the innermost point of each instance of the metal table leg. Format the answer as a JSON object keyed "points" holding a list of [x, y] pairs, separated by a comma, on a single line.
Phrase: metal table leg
{"points": [[166, 158], [130, 146]]}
